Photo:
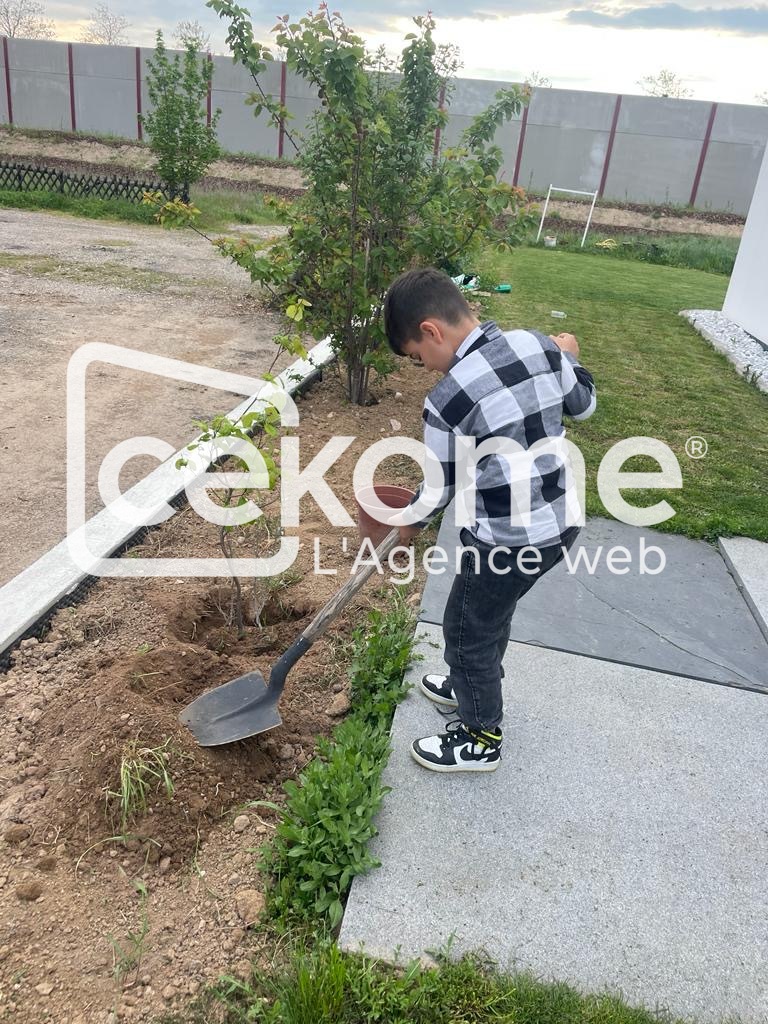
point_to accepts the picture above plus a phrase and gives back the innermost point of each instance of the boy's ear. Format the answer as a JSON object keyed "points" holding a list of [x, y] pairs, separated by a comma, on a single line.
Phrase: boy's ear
{"points": [[432, 329]]}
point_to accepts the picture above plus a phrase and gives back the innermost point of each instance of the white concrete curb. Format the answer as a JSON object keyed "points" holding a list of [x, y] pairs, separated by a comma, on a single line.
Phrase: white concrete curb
{"points": [[747, 562], [29, 596]]}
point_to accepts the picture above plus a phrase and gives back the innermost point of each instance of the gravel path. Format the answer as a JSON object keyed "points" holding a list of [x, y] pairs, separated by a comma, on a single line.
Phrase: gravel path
{"points": [[146, 247]]}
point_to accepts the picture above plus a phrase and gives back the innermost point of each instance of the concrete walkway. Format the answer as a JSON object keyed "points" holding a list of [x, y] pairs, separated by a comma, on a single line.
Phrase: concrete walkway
{"points": [[691, 619], [621, 846]]}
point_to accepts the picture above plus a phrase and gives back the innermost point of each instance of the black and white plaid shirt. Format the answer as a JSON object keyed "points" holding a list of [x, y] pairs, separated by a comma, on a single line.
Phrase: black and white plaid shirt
{"points": [[516, 385]]}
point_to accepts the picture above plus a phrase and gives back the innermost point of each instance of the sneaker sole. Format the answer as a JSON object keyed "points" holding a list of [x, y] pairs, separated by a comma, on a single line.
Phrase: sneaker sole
{"points": [[487, 766], [445, 701]]}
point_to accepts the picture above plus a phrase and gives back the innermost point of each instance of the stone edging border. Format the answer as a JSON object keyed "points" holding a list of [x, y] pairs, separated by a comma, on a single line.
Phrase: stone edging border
{"points": [[740, 349]]}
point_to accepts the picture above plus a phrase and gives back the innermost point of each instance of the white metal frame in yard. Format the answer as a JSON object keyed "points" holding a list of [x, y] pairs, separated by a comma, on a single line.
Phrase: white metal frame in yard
{"points": [[573, 192]]}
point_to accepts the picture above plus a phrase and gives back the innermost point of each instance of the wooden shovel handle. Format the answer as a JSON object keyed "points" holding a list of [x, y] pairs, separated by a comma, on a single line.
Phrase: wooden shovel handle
{"points": [[341, 598]]}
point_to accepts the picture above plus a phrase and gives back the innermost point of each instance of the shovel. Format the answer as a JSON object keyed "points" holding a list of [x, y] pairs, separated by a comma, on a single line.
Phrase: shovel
{"points": [[247, 706]]}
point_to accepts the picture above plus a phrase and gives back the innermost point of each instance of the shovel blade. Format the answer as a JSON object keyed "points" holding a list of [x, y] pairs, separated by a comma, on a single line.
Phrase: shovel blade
{"points": [[240, 708]]}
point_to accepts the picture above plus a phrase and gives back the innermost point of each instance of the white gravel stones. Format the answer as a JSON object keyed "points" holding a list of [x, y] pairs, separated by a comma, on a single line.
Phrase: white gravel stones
{"points": [[746, 353]]}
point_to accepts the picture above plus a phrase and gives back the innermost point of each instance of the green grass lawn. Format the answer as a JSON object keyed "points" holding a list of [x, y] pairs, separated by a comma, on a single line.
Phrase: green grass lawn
{"points": [[714, 253], [655, 377], [318, 984], [217, 209]]}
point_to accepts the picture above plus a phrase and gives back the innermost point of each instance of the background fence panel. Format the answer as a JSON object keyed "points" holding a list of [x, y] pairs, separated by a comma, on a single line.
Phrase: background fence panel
{"points": [[105, 89], [664, 150], [238, 128], [734, 157], [39, 83], [657, 149]]}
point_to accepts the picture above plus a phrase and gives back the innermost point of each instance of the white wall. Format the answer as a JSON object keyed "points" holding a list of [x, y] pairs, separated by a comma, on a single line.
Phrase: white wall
{"points": [[747, 299]]}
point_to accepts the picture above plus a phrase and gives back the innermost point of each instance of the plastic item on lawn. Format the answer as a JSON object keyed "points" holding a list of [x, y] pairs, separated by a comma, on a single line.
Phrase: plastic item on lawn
{"points": [[467, 282]]}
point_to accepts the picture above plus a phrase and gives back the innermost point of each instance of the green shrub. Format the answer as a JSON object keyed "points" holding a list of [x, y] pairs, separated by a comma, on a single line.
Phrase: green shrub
{"points": [[182, 141], [322, 840], [379, 195]]}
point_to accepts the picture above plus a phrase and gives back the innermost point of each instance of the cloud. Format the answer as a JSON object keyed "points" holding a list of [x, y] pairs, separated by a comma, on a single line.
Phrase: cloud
{"points": [[741, 20], [363, 14]]}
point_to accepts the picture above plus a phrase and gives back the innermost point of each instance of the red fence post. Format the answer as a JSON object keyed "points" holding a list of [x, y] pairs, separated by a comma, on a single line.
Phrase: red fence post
{"points": [[520, 144], [71, 87], [703, 154], [609, 150], [139, 126], [7, 80]]}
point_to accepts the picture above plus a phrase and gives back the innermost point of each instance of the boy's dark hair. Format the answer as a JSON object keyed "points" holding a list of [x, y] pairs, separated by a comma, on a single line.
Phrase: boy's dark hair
{"points": [[418, 295]]}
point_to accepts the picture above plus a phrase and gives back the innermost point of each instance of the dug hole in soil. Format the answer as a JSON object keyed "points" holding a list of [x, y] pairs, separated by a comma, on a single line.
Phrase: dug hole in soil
{"points": [[78, 940]]}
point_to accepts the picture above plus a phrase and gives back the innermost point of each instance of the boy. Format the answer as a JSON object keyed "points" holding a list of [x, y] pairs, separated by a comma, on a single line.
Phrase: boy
{"points": [[515, 385]]}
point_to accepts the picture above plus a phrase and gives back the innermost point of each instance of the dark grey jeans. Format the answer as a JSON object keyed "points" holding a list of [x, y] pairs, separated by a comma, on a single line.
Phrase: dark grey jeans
{"points": [[477, 621]]}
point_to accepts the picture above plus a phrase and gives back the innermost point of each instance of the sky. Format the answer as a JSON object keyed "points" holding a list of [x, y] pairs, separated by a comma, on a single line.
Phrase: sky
{"points": [[720, 51]]}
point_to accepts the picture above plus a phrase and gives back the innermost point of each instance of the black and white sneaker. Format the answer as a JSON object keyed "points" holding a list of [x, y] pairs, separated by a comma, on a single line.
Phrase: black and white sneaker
{"points": [[438, 689], [459, 749]]}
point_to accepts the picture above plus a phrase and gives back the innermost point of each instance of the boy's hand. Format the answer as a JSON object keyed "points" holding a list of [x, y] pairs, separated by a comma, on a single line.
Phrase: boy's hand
{"points": [[407, 534], [566, 342]]}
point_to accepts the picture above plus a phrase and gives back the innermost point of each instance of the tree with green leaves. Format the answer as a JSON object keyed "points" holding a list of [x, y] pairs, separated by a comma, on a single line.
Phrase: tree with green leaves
{"points": [[177, 124], [381, 194]]}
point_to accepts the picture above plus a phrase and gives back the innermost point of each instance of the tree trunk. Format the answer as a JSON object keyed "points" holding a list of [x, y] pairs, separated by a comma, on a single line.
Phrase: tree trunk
{"points": [[357, 382]]}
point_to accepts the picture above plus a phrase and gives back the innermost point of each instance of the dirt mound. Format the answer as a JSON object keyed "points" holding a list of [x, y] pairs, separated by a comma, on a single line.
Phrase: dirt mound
{"points": [[99, 711]]}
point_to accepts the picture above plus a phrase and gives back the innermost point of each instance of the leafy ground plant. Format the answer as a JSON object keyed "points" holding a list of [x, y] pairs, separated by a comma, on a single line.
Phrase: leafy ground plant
{"points": [[321, 841]]}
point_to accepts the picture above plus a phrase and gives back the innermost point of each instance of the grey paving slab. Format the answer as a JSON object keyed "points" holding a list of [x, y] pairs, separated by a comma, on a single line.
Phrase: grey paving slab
{"points": [[691, 619], [621, 846], [748, 561]]}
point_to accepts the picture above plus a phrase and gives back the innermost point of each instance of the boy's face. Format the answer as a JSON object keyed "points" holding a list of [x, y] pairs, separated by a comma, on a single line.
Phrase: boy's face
{"points": [[436, 346]]}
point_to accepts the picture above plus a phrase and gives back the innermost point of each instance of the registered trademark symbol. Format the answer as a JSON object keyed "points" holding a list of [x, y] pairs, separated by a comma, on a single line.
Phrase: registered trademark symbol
{"points": [[696, 447]]}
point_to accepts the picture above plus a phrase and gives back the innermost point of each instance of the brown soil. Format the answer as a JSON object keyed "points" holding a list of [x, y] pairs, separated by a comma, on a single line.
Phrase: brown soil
{"points": [[649, 220], [109, 678], [84, 155]]}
